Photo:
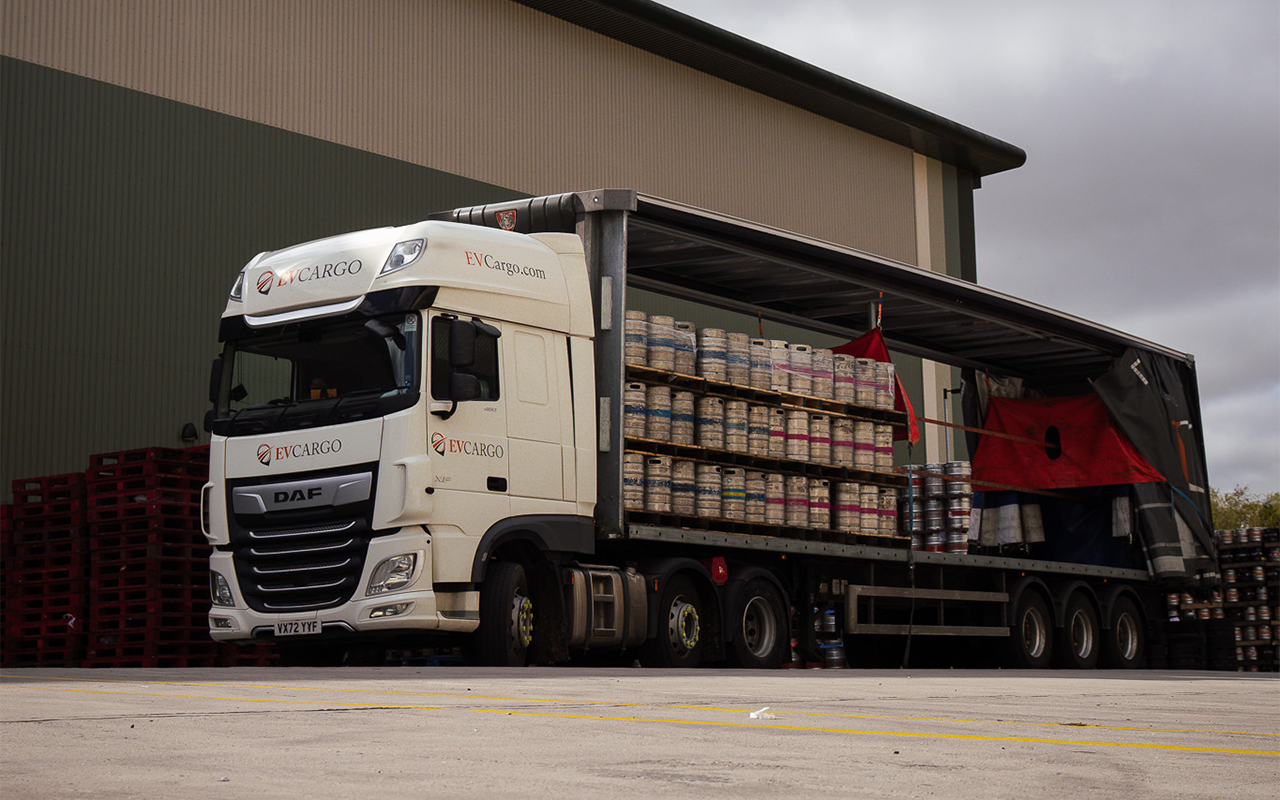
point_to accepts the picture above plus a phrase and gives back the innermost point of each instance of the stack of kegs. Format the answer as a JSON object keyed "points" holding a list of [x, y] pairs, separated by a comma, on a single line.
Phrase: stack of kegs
{"points": [[936, 512]]}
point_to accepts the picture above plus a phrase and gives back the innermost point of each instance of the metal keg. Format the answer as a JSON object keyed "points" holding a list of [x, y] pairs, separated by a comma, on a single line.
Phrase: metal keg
{"points": [[800, 369], [658, 413], [798, 435], [819, 503], [735, 426], [683, 487], [635, 339], [707, 487], [682, 418], [657, 484], [662, 353], [712, 354], [797, 494], [733, 493], [822, 371], [684, 338], [711, 422], [820, 438], [634, 413], [844, 369], [738, 359], [633, 481]]}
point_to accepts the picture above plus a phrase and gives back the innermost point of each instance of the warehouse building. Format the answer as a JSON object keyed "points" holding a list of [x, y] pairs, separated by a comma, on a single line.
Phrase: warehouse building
{"points": [[151, 148]]}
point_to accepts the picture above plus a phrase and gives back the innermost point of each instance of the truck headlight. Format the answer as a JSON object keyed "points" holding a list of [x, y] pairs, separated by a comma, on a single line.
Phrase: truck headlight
{"points": [[392, 573], [220, 590], [402, 255]]}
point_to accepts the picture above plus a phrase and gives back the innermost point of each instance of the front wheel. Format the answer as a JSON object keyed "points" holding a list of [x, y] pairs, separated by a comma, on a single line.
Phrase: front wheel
{"points": [[1031, 636], [760, 638], [506, 617], [1124, 644], [679, 641]]}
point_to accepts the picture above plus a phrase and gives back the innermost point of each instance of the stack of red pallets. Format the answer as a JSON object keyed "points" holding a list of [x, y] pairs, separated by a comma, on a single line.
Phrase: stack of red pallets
{"points": [[45, 555], [110, 568], [148, 560]]}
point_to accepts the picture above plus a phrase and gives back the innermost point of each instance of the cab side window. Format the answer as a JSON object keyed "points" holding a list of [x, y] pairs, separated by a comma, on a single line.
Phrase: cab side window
{"points": [[484, 368]]}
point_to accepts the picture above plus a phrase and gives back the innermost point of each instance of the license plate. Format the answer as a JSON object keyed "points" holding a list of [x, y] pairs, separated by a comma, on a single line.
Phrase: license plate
{"points": [[297, 627]]}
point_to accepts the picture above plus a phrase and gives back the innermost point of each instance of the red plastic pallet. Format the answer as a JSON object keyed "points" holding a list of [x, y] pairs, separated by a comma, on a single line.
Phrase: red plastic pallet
{"points": [[41, 656], [138, 524], [142, 483], [39, 601], [72, 520], [193, 455], [141, 538], [70, 554], [103, 557], [53, 508], [139, 629], [149, 611], [23, 538], [48, 488], [144, 511], [134, 497], [158, 572], [46, 578], [150, 593]]}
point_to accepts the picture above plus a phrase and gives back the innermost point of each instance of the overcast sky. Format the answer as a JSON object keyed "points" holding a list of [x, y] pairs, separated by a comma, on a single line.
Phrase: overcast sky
{"points": [[1150, 200]]}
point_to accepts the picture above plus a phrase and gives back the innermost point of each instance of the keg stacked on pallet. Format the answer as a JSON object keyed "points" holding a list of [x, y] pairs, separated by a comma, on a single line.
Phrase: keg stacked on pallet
{"points": [[777, 433], [45, 583], [1249, 562], [149, 561]]}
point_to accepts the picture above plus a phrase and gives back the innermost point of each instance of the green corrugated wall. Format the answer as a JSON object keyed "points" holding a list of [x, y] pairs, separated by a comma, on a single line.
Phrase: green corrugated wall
{"points": [[124, 219]]}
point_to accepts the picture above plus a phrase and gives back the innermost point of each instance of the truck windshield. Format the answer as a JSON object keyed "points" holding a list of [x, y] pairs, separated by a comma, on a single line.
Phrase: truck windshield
{"points": [[316, 373]]}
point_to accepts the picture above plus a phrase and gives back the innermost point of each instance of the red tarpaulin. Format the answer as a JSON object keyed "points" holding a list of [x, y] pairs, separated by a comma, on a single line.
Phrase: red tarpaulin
{"points": [[871, 345], [1081, 446]]}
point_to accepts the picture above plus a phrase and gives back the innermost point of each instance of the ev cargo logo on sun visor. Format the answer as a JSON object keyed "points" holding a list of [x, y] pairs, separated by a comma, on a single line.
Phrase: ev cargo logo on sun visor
{"points": [[509, 267], [269, 453], [315, 272]]}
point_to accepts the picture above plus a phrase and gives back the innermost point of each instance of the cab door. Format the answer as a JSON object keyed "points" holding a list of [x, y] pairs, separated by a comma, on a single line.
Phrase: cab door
{"points": [[467, 426]]}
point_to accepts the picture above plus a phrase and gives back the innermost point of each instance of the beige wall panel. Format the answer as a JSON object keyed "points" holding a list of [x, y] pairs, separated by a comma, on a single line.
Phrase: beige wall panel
{"points": [[493, 91]]}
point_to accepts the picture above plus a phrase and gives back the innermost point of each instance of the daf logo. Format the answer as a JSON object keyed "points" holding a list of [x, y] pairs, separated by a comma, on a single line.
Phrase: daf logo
{"points": [[297, 495]]}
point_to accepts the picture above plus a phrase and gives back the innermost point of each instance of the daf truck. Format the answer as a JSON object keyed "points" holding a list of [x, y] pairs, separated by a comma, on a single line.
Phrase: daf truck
{"points": [[418, 436]]}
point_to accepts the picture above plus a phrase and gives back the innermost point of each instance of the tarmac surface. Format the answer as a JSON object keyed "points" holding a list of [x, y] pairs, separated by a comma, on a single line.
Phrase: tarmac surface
{"points": [[604, 733]]}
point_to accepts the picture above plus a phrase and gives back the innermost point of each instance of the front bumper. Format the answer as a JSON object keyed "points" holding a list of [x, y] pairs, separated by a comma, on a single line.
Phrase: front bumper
{"points": [[241, 624]]}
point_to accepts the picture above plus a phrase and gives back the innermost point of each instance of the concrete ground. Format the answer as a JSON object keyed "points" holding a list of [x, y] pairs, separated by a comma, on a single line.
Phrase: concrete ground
{"points": [[604, 733]]}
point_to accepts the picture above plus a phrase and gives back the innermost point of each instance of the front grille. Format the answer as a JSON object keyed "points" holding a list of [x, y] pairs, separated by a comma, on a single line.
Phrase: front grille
{"points": [[300, 560]]}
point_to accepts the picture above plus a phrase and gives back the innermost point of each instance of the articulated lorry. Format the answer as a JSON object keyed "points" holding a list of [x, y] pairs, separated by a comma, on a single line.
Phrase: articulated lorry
{"points": [[418, 435]]}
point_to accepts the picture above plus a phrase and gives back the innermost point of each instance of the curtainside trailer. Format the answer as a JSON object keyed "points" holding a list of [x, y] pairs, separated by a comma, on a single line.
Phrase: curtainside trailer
{"points": [[453, 431]]}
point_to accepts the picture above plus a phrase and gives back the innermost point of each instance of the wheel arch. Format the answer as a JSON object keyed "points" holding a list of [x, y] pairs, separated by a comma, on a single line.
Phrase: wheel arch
{"points": [[544, 533], [1063, 600], [1113, 596], [656, 574]]}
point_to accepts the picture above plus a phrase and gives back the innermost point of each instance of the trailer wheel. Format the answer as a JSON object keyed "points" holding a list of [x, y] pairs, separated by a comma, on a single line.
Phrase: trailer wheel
{"points": [[1031, 635], [760, 627], [679, 641], [506, 617], [1081, 638], [1124, 645]]}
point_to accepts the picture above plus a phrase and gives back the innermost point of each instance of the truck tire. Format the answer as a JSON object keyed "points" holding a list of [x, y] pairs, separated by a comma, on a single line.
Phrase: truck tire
{"points": [[1031, 636], [679, 640], [506, 617], [1124, 642], [760, 636], [1080, 640]]}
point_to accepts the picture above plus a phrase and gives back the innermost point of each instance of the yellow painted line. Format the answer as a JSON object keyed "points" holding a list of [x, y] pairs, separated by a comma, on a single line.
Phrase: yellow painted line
{"points": [[610, 704], [706, 723], [997, 722], [908, 734]]}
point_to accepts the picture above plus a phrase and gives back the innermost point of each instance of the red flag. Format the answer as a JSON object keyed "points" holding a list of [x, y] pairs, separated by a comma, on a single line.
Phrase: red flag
{"points": [[871, 345], [1081, 446]]}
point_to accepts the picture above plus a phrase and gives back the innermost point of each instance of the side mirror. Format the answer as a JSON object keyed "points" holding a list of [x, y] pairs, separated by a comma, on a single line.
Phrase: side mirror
{"points": [[463, 387], [462, 344], [215, 380], [208, 421]]}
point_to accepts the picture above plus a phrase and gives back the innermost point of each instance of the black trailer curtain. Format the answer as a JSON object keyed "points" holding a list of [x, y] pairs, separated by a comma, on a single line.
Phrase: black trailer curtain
{"points": [[1153, 400]]}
